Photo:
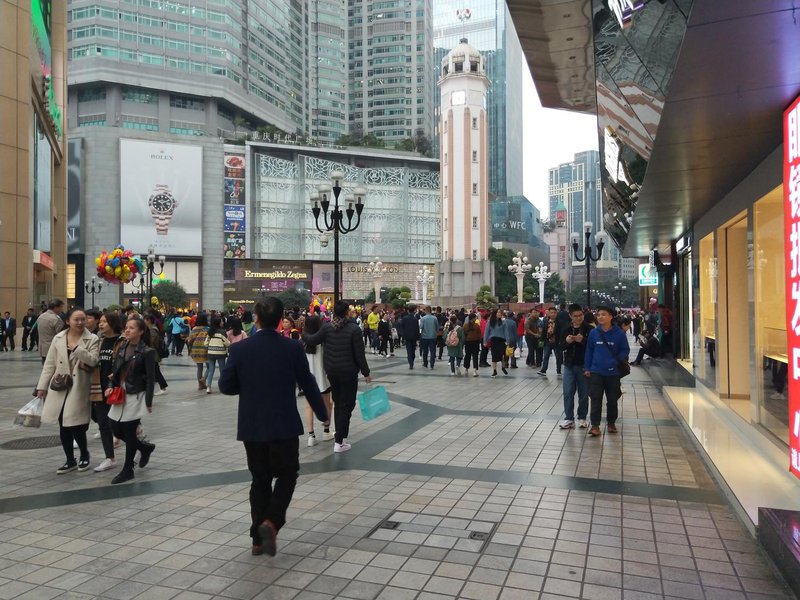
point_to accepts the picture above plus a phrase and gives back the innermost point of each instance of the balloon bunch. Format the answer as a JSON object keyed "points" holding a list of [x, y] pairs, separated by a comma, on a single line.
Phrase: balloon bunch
{"points": [[324, 306], [119, 265]]}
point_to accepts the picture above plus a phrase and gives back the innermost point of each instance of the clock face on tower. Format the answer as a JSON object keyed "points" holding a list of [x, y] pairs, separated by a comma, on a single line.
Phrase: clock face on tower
{"points": [[458, 98]]}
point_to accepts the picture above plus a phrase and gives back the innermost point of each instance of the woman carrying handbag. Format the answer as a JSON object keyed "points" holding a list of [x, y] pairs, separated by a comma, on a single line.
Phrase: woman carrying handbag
{"points": [[131, 397], [64, 386]]}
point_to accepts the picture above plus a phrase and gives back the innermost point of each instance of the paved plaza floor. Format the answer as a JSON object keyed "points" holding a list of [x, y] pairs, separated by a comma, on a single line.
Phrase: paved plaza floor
{"points": [[466, 489]]}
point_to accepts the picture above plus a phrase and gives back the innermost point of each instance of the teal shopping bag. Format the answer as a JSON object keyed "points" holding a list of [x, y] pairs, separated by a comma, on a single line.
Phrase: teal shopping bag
{"points": [[373, 402]]}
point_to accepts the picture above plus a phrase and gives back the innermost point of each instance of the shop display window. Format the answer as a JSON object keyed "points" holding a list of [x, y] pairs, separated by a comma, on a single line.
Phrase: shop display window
{"points": [[770, 314], [705, 326]]}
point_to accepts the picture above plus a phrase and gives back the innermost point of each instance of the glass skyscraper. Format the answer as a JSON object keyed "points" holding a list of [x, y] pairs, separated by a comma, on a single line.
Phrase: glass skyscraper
{"points": [[490, 30]]}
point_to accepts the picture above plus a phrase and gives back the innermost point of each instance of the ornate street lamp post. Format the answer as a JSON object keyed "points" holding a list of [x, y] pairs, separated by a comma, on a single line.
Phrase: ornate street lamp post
{"points": [[519, 267], [93, 287], [541, 274], [620, 288], [140, 287], [424, 279], [151, 271], [333, 219], [377, 270], [588, 257]]}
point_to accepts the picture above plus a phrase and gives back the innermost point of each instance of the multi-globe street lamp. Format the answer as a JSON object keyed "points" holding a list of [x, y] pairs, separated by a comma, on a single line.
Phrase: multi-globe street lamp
{"points": [[333, 219], [519, 267], [588, 256], [377, 270], [541, 274], [93, 287], [151, 271], [424, 279], [619, 288]]}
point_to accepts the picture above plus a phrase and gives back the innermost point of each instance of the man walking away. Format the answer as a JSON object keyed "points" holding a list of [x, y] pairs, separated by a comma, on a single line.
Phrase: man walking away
{"points": [[409, 331], [49, 324], [573, 346], [264, 371], [606, 348], [344, 358], [27, 324], [442, 319], [429, 329]]}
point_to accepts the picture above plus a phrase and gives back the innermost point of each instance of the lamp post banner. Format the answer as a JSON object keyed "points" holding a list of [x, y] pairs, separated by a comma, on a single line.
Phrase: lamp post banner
{"points": [[791, 222], [161, 197]]}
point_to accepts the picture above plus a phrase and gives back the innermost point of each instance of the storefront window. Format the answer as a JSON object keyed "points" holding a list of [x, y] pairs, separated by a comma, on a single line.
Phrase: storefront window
{"points": [[770, 314], [705, 338]]}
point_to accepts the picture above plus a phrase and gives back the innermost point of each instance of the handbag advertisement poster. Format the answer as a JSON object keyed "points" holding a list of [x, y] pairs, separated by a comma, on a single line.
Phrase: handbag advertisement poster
{"points": [[161, 197]]}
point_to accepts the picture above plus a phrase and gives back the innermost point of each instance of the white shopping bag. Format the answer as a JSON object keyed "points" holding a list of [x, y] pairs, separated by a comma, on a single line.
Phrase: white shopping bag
{"points": [[30, 415]]}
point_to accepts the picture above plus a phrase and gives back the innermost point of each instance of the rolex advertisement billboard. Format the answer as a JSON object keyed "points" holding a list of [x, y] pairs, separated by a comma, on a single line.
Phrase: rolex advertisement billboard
{"points": [[161, 197]]}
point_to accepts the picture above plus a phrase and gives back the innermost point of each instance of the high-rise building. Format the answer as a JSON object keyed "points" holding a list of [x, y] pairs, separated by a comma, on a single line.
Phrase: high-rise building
{"points": [[391, 89], [328, 69], [577, 186], [490, 30]]}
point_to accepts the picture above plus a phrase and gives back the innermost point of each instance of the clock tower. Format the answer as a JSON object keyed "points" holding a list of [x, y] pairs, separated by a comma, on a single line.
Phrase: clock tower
{"points": [[464, 156]]}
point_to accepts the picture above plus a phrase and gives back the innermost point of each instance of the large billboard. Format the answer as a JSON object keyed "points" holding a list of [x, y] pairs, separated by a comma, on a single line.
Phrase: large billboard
{"points": [[791, 223], [245, 281], [161, 197]]}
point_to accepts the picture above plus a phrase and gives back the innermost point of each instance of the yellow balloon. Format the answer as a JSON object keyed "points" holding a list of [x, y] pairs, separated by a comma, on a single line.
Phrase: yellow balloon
{"points": [[97, 261], [109, 269]]}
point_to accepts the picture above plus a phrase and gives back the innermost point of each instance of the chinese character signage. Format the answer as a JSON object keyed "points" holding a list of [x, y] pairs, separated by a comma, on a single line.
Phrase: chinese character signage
{"points": [[791, 221]]}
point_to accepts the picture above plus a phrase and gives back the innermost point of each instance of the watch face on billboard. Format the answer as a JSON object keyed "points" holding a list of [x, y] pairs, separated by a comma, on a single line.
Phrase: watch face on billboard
{"points": [[161, 197]]}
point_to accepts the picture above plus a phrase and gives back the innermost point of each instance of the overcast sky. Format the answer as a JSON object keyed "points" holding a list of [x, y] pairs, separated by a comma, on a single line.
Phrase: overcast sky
{"points": [[550, 137]]}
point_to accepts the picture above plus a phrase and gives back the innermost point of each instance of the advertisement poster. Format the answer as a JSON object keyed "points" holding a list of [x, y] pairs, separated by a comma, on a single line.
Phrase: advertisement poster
{"points": [[161, 197], [234, 218], [791, 223], [244, 281], [234, 246], [235, 206]]}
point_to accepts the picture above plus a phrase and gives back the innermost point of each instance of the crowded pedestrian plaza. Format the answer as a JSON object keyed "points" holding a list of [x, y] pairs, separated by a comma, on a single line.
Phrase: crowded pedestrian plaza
{"points": [[466, 488]]}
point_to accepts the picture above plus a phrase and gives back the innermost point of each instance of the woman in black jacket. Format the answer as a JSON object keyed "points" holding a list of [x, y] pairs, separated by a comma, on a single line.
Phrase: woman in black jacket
{"points": [[135, 367], [344, 358], [110, 326]]}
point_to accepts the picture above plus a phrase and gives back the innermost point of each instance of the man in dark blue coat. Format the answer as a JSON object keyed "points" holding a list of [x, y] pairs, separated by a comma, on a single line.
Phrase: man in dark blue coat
{"points": [[409, 330], [264, 371]]}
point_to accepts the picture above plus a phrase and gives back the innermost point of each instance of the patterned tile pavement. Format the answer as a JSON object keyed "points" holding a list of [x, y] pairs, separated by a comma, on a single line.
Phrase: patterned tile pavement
{"points": [[631, 516]]}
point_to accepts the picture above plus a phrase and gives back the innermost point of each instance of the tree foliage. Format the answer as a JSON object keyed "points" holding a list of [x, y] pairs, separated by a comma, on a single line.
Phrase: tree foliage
{"points": [[505, 283], [484, 298], [554, 287], [293, 297], [171, 294]]}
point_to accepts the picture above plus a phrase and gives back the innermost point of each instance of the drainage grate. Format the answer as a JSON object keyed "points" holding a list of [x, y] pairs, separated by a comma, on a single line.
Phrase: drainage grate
{"points": [[32, 443], [434, 531]]}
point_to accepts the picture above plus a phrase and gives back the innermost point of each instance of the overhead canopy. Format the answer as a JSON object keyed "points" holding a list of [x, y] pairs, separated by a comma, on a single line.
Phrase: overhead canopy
{"points": [[737, 69]]}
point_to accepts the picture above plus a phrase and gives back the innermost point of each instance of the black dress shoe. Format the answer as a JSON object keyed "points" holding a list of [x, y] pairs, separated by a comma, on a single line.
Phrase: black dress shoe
{"points": [[268, 534], [123, 476], [145, 454]]}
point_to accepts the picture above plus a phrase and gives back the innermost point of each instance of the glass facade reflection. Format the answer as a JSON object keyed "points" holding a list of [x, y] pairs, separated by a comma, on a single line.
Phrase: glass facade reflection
{"points": [[634, 68], [401, 218]]}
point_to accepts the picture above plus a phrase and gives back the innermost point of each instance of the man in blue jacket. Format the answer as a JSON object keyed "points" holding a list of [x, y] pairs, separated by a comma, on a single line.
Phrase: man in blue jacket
{"points": [[429, 329], [264, 371], [606, 348]]}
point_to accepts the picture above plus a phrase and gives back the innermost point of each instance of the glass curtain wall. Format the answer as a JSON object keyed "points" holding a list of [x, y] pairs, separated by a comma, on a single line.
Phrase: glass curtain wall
{"points": [[705, 337]]}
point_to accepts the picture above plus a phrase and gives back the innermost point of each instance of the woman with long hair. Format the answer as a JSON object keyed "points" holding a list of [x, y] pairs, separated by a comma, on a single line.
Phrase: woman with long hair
{"points": [[247, 323], [315, 354], [495, 338], [197, 347], [135, 369], [110, 327], [216, 349], [64, 386], [235, 332]]}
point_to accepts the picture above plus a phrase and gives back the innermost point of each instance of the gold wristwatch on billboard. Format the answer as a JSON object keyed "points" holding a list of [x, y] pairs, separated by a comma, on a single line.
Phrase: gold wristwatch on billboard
{"points": [[162, 206]]}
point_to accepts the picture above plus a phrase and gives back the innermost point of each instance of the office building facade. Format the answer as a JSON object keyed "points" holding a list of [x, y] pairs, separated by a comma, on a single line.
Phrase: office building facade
{"points": [[490, 30]]}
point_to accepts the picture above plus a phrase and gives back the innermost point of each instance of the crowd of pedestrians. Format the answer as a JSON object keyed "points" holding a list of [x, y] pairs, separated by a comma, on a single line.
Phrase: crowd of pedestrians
{"points": [[272, 355]]}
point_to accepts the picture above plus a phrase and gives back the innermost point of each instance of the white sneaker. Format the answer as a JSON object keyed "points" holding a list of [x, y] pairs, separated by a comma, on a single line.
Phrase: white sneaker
{"points": [[97, 435], [327, 436], [160, 393], [343, 447], [567, 424], [208, 390], [475, 374], [583, 423], [107, 464], [458, 371], [312, 441]]}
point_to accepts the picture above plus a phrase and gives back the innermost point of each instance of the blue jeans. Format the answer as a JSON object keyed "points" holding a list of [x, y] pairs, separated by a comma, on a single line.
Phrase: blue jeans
{"points": [[575, 381], [546, 360], [428, 346], [213, 361]]}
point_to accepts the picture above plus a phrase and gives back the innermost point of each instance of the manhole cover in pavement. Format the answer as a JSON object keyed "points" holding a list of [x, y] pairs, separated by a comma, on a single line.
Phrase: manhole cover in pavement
{"points": [[32, 443], [469, 535]]}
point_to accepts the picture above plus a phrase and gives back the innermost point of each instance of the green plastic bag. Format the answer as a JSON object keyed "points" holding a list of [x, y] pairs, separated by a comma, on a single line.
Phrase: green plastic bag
{"points": [[373, 402]]}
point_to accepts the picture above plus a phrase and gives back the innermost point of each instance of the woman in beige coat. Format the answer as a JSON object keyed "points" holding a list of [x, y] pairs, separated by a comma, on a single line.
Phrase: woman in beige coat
{"points": [[74, 352]]}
